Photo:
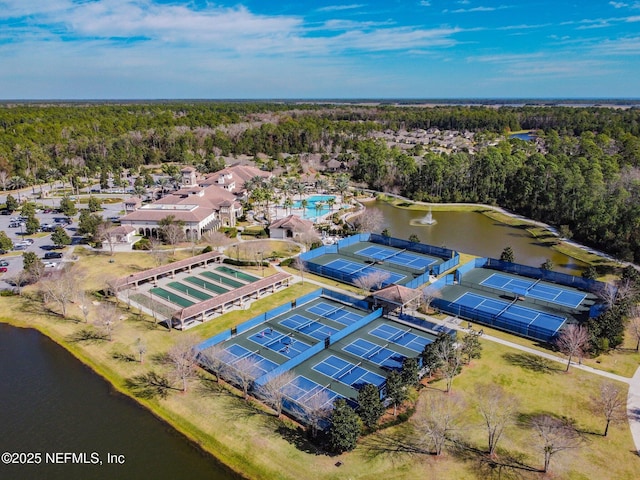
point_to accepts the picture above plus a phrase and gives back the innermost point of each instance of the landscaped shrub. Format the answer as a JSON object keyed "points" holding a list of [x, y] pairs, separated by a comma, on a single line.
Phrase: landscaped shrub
{"points": [[142, 244]]}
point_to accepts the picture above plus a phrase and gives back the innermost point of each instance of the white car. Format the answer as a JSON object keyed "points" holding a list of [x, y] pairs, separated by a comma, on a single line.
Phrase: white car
{"points": [[50, 265]]}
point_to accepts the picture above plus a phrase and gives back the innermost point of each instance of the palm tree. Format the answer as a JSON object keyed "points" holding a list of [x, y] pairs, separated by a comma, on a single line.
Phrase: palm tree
{"points": [[331, 202], [303, 203], [342, 184], [321, 185], [288, 203], [300, 188], [319, 206]]}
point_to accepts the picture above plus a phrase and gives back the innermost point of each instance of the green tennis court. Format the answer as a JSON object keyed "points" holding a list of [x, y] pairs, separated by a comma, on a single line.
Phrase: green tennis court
{"points": [[237, 274], [172, 297], [192, 292], [200, 282], [222, 279]]}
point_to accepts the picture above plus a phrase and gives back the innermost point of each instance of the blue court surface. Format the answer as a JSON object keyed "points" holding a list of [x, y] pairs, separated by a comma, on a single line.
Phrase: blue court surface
{"points": [[301, 389], [279, 342], [400, 337], [259, 364], [534, 289], [346, 372], [511, 311], [400, 257], [309, 327], [357, 268], [337, 314], [380, 355]]}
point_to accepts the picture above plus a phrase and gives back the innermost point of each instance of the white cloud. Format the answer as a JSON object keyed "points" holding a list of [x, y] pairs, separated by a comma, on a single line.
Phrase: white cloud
{"points": [[618, 4], [425, 3], [337, 8]]}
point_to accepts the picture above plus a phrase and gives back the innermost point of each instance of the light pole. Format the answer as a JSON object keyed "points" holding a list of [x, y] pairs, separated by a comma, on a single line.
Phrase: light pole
{"points": [[261, 263]]}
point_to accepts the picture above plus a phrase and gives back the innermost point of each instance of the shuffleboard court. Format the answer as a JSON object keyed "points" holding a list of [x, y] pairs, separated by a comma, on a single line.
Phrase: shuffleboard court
{"points": [[301, 390], [348, 373], [202, 283], [378, 354], [279, 342], [357, 268], [171, 297], [222, 279], [535, 289], [307, 326], [258, 364], [400, 257], [236, 273], [336, 313], [190, 291], [404, 338]]}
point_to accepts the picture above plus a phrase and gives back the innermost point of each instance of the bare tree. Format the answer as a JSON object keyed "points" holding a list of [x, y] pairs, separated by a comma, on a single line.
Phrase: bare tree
{"points": [[299, 264], [634, 325], [60, 287], [244, 371], [611, 403], [21, 279], [428, 295], [103, 234], [158, 254], [573, 341], [274, 391], [317, 409], [438, 420], [612, 294], [173, 234], [214, 359], [497, 409], [84, 304], [182, 356], [141, 348], [372, 281], [216, 239], [308, 237], [107, 319], [369, 221], [449, 357], [553, 436]]}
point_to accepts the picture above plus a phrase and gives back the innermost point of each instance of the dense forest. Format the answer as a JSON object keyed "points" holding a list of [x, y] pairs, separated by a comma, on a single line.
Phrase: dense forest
{"points": [[582, 174]]}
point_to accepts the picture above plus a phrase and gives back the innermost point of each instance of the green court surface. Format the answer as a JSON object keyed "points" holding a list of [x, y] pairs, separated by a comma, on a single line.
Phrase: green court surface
{"points": [[222, 279], [172, 297], [192, 292], [235, 273], [206, 285]]}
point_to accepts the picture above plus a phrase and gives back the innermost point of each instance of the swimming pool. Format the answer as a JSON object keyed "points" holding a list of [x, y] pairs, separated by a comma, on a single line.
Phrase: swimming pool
{"points": [[311, 212]]}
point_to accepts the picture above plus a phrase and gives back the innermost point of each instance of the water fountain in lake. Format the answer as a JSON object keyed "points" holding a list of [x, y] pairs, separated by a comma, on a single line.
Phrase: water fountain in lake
{"points": [[426, 220]]}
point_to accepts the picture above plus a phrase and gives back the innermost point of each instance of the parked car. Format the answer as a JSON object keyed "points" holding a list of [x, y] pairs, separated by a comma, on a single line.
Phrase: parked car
{"points": [[50, 265], [4, 263], [3, 269], [52, 255]]}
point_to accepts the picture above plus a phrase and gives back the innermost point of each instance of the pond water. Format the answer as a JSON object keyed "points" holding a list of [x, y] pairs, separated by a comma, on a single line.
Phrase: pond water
{"points": [[52, 403], [474, 233]]}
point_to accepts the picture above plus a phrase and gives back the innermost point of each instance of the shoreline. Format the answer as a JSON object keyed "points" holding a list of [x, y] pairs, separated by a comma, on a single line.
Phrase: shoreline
{"points": [[570, 251], [114, 385]]}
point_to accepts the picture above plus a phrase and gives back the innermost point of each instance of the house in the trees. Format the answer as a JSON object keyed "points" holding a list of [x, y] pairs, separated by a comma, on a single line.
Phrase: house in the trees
{"points": [[291, 226]]}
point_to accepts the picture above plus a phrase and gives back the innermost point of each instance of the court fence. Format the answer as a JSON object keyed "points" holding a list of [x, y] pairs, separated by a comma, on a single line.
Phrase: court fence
{"points": [[503, 323]]}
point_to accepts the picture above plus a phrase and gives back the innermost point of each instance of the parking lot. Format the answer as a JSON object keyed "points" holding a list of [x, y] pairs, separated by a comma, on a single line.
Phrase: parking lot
{"points": [[40, 243]]}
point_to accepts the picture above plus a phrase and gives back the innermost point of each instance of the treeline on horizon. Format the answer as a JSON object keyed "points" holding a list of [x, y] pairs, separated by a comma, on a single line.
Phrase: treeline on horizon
{"points": [[581, 174]]}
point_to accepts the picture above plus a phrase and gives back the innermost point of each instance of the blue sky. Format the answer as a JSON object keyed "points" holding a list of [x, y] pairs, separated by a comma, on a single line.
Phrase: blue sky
{"points": [[147, 49]]}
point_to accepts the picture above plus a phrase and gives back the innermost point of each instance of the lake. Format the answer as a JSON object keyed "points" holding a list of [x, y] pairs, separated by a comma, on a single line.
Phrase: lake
{"points": [[53, 403]]}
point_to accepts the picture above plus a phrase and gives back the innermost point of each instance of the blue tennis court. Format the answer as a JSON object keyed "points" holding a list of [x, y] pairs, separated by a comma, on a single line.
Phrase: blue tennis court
{"points": [[400, 257], [260, 365], [380, 355], [348, 373], [401, 337], [336, 313], [535, 289], [279, 342], [309, 327], [511, 311], [301, 389], [353, 267]]}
